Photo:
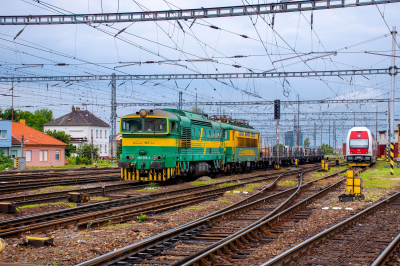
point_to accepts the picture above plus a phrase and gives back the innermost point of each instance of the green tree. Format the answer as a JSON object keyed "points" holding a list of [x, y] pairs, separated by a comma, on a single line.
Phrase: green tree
{"points": [[85, 150], [35, 119], [306, 142], [119, 149], [66, 138], [327, 149]]}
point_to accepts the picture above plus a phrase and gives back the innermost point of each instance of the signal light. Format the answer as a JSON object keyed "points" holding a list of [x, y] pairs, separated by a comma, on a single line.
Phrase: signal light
{"points": [[277, 109]]}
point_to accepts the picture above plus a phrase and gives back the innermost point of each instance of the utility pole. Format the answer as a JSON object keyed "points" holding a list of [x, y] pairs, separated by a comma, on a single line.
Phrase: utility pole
{"points": [[315, 135], [12, 101], [298, 120], [196, 98], [180, 101], [387, 129], [113, 116], [393, 68], [22, 145], [329, 131], [376, 122], [91, 154]]}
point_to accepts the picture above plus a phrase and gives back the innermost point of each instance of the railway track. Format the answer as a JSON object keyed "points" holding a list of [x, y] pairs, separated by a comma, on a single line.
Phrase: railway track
{"points": [[44, 176], [390, 255], [362, 239], [62, 195], [185, 243], [60, 218], [56, 170], [20, 186]]}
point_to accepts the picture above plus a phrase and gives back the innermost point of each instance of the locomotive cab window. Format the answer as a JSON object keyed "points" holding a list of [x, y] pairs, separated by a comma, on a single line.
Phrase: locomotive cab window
{"points": [[132, 125], [172, 127], [155, 125]]}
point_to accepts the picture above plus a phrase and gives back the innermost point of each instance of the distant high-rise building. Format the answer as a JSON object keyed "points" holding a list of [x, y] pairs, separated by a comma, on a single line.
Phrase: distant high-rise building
{"points": [[290, 140]]}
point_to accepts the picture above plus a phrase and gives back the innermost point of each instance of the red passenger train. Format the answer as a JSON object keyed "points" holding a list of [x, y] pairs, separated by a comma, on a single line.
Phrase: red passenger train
{"points": [[361, 148]]}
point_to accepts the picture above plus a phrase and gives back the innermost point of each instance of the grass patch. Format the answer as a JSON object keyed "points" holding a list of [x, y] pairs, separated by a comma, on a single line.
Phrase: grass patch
{"points": [[223, 201], [69, 204], [148, 190], [47, 189], [332, 170], [202, 183], [117, 226], [99, 198], [228, 184], [194, 208], [287, 183], [379, 176]]}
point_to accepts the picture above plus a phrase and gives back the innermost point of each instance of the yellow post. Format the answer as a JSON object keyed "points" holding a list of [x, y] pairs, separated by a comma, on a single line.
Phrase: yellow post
{"points": [[295, 162]]}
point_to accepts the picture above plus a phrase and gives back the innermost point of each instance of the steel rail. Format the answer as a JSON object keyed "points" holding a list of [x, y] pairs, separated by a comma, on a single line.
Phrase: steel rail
{"points": [[17, 222], [185, 14], [19, 187], [385, 256], [108, 188], [55, 170], [119, 219], [207, 252], [300, 248], [297, 74], [53, 175], [66, 179], [168, 236]]}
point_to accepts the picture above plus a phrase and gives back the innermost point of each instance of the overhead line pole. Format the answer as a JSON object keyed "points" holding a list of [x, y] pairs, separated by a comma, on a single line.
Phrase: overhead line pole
{"points": [[393, 73]]}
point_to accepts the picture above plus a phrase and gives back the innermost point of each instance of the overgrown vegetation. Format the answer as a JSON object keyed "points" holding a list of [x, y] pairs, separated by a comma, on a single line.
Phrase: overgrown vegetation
{"points": [[194, 208], [228, 184], [141, 218], [379, 176], [152, 185], [68, 204], [66, 138], [287, 183], [202, 183], [5, 161]]}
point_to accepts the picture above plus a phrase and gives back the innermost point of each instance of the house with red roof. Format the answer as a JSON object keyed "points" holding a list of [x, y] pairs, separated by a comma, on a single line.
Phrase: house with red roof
{"points": [[39, 149]]}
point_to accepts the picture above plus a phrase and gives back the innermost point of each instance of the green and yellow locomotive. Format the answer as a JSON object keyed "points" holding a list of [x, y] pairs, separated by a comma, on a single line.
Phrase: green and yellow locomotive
{"points": [[162, 144]]}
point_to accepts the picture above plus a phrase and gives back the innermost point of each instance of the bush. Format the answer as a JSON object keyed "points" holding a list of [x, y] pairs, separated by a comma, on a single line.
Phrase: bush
{"points": [[6, 161], [141, 218]]}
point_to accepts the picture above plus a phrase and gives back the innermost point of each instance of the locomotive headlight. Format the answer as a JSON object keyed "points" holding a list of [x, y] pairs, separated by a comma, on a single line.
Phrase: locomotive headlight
{"points": [[154, 158], [127, 157], [143, 113], [132, 157], [366, 152], [159, 157], [351, 152]]}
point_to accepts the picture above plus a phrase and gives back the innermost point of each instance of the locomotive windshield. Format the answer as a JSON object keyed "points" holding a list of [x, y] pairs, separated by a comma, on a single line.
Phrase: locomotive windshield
{"points": [[155, 125], [146, 125], [359, 143], [132, 125]]}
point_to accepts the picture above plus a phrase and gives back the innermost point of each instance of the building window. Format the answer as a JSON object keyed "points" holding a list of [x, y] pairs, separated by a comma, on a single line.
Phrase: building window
{"points": [[57, 155], [105, 134], [105, 148], [100, 133], [100, 146], [97, 134], [3, 134], [28, 155], [13, 153], [43, 155]]}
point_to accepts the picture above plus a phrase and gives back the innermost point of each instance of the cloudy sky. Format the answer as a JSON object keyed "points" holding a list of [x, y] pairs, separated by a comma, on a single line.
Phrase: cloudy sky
{"points": [[339, 40]]}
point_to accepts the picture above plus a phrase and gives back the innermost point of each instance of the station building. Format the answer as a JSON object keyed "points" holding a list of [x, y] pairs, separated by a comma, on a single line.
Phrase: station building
{"points": [[82, 125]]}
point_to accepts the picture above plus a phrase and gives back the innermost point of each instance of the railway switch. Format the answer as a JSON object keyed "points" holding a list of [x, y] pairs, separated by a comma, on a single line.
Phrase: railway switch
{"points": [[7, 207], [39, 241], [78, 197], [353, 188]]}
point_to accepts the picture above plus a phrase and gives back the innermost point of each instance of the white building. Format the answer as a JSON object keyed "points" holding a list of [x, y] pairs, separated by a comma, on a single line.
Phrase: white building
{"points": [[82, 125]]}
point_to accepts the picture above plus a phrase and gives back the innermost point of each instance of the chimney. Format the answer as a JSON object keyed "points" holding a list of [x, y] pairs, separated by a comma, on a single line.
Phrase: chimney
{"points": [[78, 109], [22, 121], [73, 110]]}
